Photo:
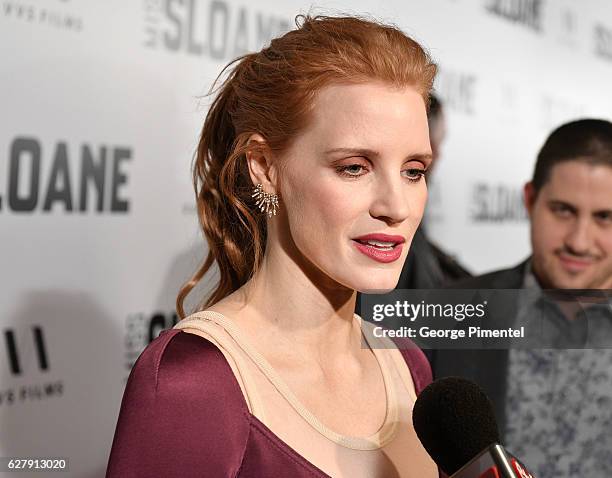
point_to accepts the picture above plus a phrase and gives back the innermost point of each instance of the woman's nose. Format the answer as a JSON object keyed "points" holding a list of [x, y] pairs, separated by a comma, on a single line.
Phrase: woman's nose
{"points": [[397, 200]]}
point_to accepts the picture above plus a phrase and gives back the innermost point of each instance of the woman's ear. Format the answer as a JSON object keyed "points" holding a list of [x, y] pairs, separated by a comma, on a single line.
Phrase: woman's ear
{"points": [[260, 163]]}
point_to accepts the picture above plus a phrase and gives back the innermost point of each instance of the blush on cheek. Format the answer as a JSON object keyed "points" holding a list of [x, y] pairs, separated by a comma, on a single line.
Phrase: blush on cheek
{"points": [[335, 200], [336, 211]]}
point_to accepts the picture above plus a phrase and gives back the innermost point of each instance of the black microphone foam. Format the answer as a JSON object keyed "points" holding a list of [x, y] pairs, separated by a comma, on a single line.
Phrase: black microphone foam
{"points": [[454, 419]]}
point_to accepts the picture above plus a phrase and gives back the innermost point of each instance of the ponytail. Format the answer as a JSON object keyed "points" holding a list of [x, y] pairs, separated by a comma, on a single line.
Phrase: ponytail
{"points": [[235, 236], [271, 93]]}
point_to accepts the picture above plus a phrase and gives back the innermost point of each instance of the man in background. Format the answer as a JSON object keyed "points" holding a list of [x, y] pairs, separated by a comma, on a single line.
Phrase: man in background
{"points": [[554, 404]]}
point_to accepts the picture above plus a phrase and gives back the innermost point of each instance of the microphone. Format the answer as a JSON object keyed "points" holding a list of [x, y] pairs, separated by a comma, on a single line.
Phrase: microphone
{"points": [[455, 421]]}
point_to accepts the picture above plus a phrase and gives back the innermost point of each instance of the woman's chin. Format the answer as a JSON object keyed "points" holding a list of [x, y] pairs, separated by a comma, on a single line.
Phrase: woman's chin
{"points": [[382, 286], [368, 281], [376, 291], [376, 282]]}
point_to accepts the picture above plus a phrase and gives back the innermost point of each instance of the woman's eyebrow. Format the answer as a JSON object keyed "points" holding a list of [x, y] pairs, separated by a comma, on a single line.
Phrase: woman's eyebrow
{"points": [[370, 153], [355, 152], [423, 157]]}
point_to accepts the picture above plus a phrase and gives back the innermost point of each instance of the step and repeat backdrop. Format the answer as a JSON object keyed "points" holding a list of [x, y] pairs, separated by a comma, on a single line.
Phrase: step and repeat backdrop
{"points": [[101, 106]]}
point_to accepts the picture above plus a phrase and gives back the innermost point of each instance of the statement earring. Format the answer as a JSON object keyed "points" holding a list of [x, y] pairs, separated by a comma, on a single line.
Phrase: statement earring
{"points": [[267, 202]]}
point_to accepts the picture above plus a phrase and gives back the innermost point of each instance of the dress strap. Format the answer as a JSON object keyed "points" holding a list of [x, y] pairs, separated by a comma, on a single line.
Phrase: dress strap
{"points": [[373, 442], [205, 327], [398, 359]]}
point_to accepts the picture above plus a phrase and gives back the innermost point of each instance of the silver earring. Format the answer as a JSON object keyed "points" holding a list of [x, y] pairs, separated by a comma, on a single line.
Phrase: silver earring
{"points": [[267, 202]]}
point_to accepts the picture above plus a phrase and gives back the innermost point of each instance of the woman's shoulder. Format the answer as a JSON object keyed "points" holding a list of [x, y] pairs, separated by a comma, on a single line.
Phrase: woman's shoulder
{"points": [[187, 366], [182, 410]]}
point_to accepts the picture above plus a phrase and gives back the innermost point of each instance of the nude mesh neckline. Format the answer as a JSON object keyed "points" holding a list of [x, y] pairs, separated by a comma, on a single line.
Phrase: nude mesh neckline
{"points": [[372, 442]]}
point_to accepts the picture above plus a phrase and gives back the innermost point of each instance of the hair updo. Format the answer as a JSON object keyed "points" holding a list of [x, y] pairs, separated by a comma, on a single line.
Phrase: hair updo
{"points": [[271, 93]]}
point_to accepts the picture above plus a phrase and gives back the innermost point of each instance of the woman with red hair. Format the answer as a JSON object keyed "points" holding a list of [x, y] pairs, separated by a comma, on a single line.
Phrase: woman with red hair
{"points": [[309, 180]]}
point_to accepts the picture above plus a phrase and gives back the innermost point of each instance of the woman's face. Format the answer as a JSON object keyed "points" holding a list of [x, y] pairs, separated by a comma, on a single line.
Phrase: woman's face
{"points": [[357, 170]]}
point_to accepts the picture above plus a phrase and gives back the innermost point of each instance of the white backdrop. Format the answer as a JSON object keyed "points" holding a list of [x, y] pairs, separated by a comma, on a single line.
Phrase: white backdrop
{"points": [[99, 120]]}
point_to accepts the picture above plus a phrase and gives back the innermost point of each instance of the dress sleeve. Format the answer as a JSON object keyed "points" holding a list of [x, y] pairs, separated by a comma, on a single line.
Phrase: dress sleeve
{"points": [[182, 413]]}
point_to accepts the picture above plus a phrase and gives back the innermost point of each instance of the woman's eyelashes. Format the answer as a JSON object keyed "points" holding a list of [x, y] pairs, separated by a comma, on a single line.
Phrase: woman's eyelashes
{"points": [[351, 170], [357, 170]]}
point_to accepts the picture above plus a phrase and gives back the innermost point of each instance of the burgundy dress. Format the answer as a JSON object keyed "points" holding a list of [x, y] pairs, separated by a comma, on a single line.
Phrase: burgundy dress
{"points": [[183, 414]]}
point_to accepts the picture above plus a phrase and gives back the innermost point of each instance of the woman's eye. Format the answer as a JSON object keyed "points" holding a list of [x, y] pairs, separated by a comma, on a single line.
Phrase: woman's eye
{"points": [[415, 174], [352, 170], [356, 170]]}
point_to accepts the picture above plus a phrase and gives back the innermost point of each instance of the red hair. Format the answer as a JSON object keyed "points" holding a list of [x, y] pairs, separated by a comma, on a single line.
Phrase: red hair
{"points": [[271, 93]]}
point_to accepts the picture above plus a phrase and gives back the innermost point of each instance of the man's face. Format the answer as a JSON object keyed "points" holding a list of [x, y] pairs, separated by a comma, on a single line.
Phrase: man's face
{"points": [[571, 227]]}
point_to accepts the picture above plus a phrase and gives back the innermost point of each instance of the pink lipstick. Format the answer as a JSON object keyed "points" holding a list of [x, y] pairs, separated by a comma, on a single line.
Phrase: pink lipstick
{"points": [[380, 247]]}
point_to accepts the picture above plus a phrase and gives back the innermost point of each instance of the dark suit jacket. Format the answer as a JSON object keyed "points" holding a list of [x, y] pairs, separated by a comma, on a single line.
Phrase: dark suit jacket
{"points": [[488, 368]]}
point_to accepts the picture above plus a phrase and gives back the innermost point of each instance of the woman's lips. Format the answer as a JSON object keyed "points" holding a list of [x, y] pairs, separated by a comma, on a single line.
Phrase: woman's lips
{"points": [[379, 255]]}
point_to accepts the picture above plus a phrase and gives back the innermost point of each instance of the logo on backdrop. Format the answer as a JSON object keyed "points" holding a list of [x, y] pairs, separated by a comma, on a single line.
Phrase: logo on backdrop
{"points": [[603, 42], [25, 350], [66, 177], [141, 329], [497, 203], [54, 14], [527, 13], [457, 90], [215, 29]]}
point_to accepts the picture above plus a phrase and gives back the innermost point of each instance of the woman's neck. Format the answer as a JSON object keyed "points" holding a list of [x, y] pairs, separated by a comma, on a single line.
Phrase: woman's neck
{"points": [[285, 306]]}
